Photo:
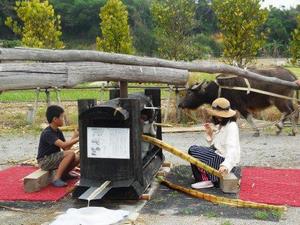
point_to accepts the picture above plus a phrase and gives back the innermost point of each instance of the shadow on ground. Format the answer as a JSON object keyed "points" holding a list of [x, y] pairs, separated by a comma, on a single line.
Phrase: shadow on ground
{"points": [[170, 202]]}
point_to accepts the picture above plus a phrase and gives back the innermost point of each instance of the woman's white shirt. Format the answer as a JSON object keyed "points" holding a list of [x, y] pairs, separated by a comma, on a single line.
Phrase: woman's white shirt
{"points": [[227, 142]]}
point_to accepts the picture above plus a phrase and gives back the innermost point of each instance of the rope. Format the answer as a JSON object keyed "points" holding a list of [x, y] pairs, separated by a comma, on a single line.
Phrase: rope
{"points": [[260, 92], [249, 89], [246, 128]]}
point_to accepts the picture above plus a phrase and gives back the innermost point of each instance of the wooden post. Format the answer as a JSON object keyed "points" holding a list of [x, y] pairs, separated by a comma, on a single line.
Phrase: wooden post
{"points": [[101, 93], [123, 89], [31, 118], [166, 113], [178, 110], [58, 99], [48, 97]]}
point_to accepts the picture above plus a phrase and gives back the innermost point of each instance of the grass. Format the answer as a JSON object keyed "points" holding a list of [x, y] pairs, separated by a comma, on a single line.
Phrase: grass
{"points": [[261, 215], [211, 215], [277, 214], [226, 223], [295, 70], [187, 211], [13, 119], [199, 77], [65, 94]]}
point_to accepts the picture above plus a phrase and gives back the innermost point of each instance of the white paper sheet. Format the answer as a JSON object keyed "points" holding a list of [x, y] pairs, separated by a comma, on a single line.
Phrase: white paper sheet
{"points": [[111, 143]]}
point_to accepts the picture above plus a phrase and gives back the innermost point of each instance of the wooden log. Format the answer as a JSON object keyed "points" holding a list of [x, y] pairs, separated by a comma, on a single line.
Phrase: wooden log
{"points": [[146, 197], [167, 164], [229, 183], [36, 180], [27, 54], [30, 75], [221, 200]]}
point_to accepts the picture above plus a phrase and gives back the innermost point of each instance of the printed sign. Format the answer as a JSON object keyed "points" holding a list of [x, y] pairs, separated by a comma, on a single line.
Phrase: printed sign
{"points": [[111, 143]]}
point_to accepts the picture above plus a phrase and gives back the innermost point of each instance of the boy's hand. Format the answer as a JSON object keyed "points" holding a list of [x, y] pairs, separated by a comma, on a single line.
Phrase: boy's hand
{"points": [[223, 170], [75, 133]]}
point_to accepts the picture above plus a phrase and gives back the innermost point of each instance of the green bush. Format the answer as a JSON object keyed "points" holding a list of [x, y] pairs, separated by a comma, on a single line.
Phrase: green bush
{"points": [[10, 43]]}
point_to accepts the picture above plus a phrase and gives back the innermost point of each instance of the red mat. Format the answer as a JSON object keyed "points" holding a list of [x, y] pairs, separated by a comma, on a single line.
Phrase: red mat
{"points": [[273, 186], [11, 186]]}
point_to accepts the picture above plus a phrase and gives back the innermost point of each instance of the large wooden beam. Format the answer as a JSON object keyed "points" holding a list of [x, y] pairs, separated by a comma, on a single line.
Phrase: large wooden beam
{"points": [[26, 75], [96, 56]]}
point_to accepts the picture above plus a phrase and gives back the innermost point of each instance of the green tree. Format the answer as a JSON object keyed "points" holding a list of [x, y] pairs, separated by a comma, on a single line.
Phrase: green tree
{"points": [[114, 28], [206, 18], [80, 18], [142, 27], [295, 44], [240, 22], [40, 27], [6, 10], [280, 24], [175, 21]]}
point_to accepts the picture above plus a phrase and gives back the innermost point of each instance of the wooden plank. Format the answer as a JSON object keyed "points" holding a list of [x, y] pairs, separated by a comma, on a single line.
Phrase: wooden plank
{"points": [[26, 75], [27, 54], [229, 183], [37, 180], [167, 164], [182, 129]]}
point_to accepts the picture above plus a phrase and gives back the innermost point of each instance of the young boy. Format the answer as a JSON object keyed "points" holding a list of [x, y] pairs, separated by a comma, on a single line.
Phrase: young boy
{"points": [[52, 140]]}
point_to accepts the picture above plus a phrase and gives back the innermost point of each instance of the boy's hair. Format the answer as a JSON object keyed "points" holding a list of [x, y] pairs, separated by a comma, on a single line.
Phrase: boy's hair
{"points": [[53, 111]]}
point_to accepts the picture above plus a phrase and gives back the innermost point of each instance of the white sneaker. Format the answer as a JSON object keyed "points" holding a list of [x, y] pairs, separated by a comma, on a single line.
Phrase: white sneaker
{"points": [[202, 184]]}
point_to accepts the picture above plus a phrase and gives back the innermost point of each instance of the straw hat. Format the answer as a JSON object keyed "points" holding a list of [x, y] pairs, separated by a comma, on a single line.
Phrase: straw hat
{"points": [[221, 108]]}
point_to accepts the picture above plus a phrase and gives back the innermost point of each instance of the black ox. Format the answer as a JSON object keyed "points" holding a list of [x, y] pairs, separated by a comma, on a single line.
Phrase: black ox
{"points": [[246, 103]]}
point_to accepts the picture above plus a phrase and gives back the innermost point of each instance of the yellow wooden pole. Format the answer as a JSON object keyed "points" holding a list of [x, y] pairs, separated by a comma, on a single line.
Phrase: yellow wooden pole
{"points": [[181, 154], [221, 200]]}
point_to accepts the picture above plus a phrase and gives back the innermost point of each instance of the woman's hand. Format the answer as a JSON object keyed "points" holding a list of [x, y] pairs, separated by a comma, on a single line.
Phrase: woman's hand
{"points": [[208, 129], [223, 170]]}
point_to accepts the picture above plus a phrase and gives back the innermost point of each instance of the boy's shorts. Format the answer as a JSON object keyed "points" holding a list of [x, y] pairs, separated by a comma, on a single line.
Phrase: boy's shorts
{"points": [[51, 162]]}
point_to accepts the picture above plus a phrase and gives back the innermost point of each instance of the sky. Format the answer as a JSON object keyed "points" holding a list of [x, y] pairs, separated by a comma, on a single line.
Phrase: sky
{"points": [[279, 3]]}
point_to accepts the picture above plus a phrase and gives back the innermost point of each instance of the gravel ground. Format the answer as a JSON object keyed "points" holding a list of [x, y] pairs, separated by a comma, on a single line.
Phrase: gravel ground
{"points": [[267, 150]]}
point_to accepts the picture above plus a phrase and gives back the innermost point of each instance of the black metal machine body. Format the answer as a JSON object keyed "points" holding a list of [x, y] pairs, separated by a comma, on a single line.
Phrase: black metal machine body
{"points": [[111, 149]]}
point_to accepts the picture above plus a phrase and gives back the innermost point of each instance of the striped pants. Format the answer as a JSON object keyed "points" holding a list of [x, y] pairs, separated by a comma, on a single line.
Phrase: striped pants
{"points": [[208, 156]]}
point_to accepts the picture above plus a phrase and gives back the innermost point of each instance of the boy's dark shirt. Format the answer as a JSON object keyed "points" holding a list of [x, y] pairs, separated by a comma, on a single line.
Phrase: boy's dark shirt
{"points": [[47, 140]]}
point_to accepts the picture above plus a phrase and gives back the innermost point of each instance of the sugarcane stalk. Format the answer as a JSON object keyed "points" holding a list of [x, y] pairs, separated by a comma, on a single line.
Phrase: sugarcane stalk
{"points": [[221, 200], [181, 154]]}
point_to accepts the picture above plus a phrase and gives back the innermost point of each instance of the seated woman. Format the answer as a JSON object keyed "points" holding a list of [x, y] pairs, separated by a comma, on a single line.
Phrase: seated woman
{"points": [[224, 151]]}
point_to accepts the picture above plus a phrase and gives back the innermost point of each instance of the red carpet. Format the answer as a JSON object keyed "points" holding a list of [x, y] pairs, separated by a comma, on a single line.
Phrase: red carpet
{"points": [[273, 186], [11, 186]]}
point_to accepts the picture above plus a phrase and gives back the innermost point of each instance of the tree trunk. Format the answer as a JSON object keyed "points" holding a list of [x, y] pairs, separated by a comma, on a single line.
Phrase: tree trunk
{"points": [[31, 75], [27, 54]]}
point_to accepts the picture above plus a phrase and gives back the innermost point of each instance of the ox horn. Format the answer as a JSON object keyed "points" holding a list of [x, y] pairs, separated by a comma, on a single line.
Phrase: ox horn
{"points": [[204, 85], [196, 86]]}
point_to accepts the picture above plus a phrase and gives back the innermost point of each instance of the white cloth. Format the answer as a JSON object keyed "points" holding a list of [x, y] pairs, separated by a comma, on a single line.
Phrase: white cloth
{"points": [[227, 142], [90, 216]]}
